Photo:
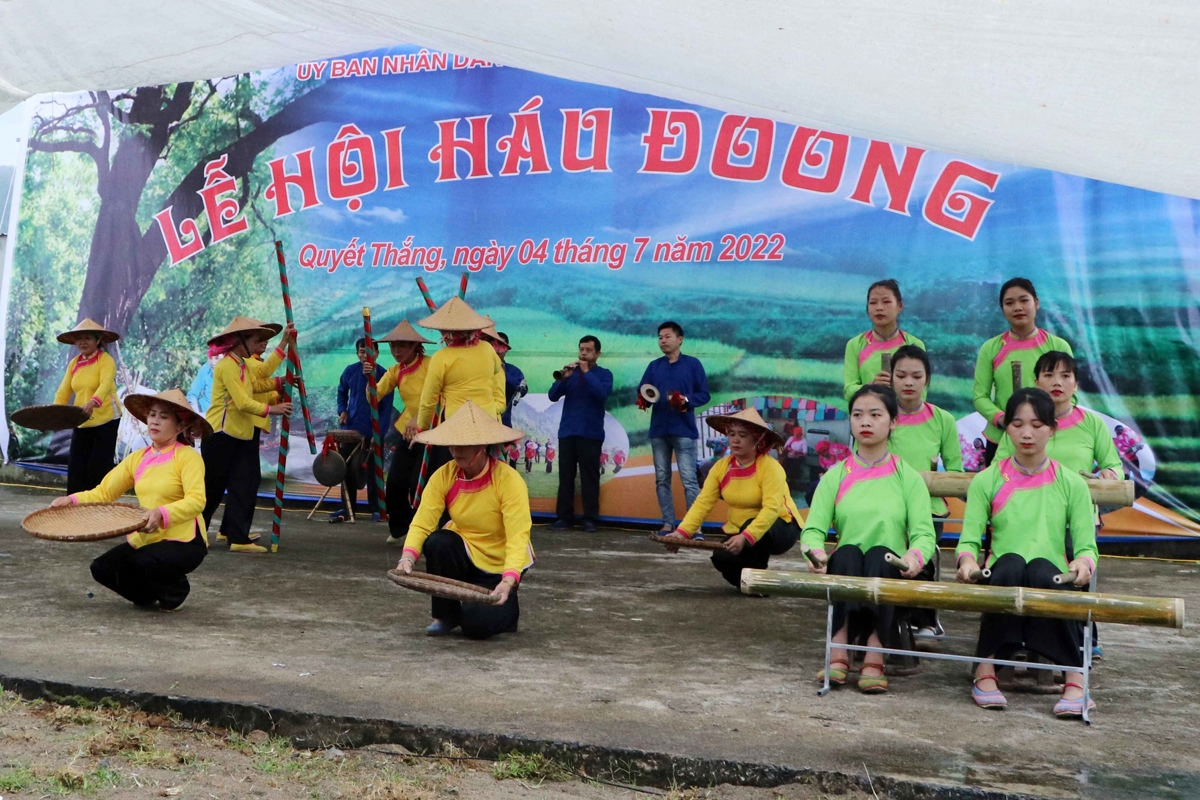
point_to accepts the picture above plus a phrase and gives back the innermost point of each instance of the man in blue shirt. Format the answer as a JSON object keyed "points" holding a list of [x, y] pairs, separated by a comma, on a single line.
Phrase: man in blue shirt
{"points": [[354, 413], [514, 380], [683, 388], [200, 394], [584, 387]]}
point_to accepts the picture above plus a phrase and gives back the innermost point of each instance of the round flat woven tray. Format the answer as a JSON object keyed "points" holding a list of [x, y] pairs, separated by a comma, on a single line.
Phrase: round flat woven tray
{"points": [[329, 469], [345, 436], [54, 417], [438, 586], [86, 522], [701, 544]]}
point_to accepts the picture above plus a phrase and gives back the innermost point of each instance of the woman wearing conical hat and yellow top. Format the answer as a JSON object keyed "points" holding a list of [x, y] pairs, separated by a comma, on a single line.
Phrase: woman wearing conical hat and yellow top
{"points": [[91, 378], [465, 369], [231, 461], [407, 376], [763, 520], [486, 541], [151, 565]]}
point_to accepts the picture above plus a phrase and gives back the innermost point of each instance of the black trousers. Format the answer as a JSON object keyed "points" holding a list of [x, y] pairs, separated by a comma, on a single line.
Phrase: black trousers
{"points": [[232, 473], [1001, 635], [153, 572], [401, 485], [91, 457], [358, 466], [575, 453], [928, 617], [778, 539], [446, 555], [864, 618], [989, 453]]}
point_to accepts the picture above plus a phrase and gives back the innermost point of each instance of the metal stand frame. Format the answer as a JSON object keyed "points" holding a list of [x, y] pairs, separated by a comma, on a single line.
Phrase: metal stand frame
{"points": [[342, 486], [1087, 657]]}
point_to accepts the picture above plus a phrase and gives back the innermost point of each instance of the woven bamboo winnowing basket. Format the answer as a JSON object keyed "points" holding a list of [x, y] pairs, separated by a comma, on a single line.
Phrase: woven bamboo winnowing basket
{"points": [[53, 417], [86, 522], [438, 586]]}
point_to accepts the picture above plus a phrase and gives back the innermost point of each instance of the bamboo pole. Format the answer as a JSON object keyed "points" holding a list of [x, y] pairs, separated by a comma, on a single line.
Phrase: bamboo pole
{"points": [[954, 484], [885, 363], [1163, 612], [1016, 374], [293, 354], [285, 427]]}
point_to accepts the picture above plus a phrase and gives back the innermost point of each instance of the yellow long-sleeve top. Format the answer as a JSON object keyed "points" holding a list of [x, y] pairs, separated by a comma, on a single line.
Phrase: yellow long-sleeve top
{"points": [[490, 513], [758, 492], [233, 409], [90, 378], [264, 370], [170, 480], [410, 380], [458, 373]]}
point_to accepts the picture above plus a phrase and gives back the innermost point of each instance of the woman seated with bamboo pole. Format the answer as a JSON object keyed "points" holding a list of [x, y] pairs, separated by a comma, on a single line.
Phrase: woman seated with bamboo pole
{"points": [[880, 507], [924, 436], [486, 541], [762, 518], [1030, 501], [151, 565]]}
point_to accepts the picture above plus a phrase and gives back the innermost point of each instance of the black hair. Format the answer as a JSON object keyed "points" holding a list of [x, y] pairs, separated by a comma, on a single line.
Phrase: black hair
{"points": [[1017, 283], [884, 393], [912, 351], [675, 326], [1052, 360], [1039, 401], [888, 283], [361, 343], [502, 336], [592, 339]]}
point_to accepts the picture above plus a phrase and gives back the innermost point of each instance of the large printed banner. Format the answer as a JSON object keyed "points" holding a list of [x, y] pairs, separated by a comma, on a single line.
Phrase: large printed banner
{"points": [[578, 209]]}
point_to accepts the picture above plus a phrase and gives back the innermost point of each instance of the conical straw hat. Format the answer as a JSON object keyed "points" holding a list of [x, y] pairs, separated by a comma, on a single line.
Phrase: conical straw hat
{"points": [[470, 425], [721, 422], [490, 333], [405, 332], [193, 423], [88, 326], [456, 315], [247, 325]]}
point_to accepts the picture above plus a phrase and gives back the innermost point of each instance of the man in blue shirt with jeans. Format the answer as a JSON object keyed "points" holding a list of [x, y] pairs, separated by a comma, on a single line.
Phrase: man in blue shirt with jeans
{"points": [[584, 388], [682, 387], [354, 413]]}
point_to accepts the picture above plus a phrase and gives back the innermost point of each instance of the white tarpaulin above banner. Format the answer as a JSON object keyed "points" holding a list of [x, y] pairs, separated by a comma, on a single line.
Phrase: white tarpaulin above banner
{"points": [[1096, 88]]}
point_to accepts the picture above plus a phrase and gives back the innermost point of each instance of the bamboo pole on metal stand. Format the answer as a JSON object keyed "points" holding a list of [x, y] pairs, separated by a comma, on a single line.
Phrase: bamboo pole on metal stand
{"points": [[293, 354], [1104, 492], [284, 435], [376, 434]]}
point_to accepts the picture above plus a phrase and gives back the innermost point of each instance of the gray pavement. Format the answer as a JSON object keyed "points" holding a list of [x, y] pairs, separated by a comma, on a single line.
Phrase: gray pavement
{"points": [[620, 645]]}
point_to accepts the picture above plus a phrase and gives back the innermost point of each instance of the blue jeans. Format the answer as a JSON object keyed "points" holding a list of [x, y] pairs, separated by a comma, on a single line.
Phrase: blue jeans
{"points": [[685, 459]]}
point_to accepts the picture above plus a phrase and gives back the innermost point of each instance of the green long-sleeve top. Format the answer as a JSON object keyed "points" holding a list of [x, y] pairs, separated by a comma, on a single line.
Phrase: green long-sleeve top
{"points": [[1082, 443], [993, 372], [1029, 514], [864, 357], [921, 437], [886, 504]]}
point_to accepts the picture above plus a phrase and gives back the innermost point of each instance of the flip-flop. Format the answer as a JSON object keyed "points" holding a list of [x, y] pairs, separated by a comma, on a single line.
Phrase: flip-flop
{"points": [[837, 675], [1072, 709], [991, 700]]}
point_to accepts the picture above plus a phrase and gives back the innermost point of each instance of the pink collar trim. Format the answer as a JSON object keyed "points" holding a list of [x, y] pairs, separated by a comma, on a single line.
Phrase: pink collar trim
{"points": [[1072, 419], [1011, 344], [153, 458], [856, 473], [1015, 481], [919, 417], [875, 344]]}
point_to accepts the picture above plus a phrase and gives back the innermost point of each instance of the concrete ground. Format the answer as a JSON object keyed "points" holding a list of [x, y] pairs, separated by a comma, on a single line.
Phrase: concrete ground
{"points": [[620, 645]]}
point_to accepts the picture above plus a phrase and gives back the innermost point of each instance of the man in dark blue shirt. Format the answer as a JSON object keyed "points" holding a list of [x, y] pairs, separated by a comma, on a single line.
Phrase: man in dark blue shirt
{"points": [[354, 413], [584, 387], [683, 388], [514, 380]]}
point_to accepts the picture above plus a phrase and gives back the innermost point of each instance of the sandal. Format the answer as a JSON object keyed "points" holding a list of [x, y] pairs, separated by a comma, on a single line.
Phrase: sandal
{"points": [[993, 699], [872, 684], [1072, 709], [837, 674]]}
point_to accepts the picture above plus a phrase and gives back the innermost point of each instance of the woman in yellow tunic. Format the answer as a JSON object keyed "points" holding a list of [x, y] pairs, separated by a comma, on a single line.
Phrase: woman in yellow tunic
{"points": [[762, 515], [407, 376], [465, 369], [92, 378], [231, 453], [151, 565], [486, 541]]}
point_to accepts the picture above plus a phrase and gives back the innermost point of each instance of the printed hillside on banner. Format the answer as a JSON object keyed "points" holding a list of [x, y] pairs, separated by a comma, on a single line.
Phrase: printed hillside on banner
{"points": [[579, 209]]}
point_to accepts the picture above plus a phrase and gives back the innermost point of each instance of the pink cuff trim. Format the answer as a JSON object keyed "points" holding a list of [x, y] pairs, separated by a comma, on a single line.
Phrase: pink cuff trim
{"points": [[267, 411], [1091, 563], [998, 420], [74, 500], [279, 384], [963, 555], [821, 550], [280, 352], [920, 556], [683, 533], [750, 537], [409, 551], [516, 576], [166, 523]]}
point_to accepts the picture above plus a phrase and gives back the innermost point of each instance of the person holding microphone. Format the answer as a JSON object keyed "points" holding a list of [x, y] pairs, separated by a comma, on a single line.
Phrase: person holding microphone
{"points": [[583, 387]]}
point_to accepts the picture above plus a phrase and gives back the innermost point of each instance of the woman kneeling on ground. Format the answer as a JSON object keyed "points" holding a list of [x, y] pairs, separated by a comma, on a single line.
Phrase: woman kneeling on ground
{"points": [[151, 565], [486, 541], [762, 518], [879, 506], [1031, 502]]}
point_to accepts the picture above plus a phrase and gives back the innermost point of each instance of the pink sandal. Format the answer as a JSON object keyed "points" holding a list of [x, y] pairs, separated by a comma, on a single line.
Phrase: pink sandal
{"points": [[992, 700], [1072, 709]]}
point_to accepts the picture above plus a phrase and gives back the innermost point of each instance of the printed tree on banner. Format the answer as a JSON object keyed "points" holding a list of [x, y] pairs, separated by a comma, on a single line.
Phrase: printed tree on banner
{"points": [[150, 146]]}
